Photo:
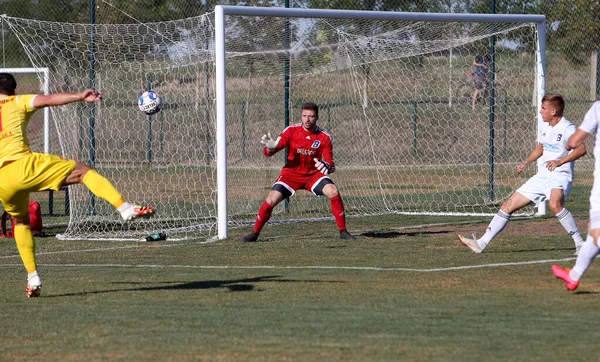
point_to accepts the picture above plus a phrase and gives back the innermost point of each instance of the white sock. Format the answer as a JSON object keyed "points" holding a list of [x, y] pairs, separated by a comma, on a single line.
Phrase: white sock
{"points": [[497, 224], [587, 254], [32, 274], [124, 207], [33, 279], [568, 222]]}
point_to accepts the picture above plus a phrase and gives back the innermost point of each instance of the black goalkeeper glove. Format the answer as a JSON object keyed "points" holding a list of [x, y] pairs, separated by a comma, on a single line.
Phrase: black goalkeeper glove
{"points": [[323, 166]]}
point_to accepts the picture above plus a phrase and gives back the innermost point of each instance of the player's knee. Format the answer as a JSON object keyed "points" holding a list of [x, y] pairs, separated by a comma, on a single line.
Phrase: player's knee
{"points": [[277, 194], [506, 207], [555, 207], [595, 234], [78, 173], [21, 219], [330, 191], [325, 187]]}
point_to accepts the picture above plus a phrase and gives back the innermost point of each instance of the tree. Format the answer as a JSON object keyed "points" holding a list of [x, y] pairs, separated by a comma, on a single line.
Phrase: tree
{"points": [[573, 27]]}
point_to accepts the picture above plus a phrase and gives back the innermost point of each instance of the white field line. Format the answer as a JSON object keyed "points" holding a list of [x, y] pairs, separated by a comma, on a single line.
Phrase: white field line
{"points": [[281, 267], [142, 245], [271, 267]]}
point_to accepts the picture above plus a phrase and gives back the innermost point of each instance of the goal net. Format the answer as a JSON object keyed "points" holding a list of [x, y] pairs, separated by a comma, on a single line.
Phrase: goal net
{"points": [[396, 96]]}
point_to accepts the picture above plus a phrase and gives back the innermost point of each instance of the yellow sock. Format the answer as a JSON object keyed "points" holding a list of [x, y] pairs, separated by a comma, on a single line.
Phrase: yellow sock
{"points": [[102, 188], [26, 246]]}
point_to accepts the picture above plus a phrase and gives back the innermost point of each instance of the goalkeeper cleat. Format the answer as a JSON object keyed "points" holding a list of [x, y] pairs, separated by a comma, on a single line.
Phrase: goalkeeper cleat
{"points": [[252, 237], [471, 243], [344, 234], [34, 287], [132, 212], [563, 274]]}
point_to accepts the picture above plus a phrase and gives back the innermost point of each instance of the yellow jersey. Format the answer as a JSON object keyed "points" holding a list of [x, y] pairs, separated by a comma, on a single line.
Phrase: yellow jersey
{"points": [[15, 112]]}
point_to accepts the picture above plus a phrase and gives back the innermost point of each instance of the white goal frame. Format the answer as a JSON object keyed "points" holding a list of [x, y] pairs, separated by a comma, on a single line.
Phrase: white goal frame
{"points": [[221, 59]]}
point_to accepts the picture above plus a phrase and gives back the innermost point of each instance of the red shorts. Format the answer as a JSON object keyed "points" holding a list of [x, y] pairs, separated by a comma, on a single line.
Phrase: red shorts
{"points": [[293, 182]]}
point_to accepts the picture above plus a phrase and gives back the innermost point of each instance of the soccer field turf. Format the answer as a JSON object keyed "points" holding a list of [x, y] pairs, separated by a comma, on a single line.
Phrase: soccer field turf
{"points": [[398, 292]]}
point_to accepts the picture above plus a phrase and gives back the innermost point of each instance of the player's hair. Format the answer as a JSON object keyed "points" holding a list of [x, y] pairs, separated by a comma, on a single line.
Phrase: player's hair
{"points": [[310, 106], [8, 84], [556, 101]]}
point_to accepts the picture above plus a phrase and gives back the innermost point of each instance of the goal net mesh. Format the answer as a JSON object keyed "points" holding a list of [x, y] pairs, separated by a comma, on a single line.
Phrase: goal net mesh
{"points": [[395, 96]]}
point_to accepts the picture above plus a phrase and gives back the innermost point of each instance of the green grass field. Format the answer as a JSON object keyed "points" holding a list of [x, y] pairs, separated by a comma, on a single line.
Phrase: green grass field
{"points": [[398, 293]]}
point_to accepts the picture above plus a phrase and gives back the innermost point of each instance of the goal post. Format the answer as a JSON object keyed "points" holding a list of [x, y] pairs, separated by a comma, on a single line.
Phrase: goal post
{"points": [[403, 143], [222, 11]]}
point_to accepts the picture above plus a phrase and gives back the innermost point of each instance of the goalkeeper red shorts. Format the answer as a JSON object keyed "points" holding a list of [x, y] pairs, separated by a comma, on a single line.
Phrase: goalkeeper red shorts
{"points": [[292, 181]]}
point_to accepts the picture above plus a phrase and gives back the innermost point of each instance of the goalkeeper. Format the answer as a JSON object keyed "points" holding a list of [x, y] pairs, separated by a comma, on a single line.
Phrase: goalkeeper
{"points": [[23, 171], [308, 165]]}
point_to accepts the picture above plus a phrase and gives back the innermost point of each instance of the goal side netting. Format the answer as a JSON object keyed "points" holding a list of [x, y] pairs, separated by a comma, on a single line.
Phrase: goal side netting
{"points": [[395, 95]]}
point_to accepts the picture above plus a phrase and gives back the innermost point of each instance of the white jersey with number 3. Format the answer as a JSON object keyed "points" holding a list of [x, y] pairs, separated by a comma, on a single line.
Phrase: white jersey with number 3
{"points": [[590, 125], [554, 140]]}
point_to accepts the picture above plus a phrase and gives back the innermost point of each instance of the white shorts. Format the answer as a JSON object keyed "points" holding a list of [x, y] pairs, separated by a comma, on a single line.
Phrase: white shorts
{"points": [[538, 189]]}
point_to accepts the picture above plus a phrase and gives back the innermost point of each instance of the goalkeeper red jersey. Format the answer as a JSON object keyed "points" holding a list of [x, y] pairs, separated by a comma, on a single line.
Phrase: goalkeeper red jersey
{"points": [[303, 147]]}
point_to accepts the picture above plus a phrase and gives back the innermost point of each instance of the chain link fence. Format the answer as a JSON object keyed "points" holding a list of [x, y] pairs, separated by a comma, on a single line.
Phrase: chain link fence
{"points": [[573, 35], [573, 28]]}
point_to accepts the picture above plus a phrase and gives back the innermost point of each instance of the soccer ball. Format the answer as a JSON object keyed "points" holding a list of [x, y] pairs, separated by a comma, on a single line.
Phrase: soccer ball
{"points": [[150, 102]]}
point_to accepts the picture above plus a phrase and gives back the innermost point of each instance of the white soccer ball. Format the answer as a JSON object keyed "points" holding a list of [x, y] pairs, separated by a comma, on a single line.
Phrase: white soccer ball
{"points": [[150, 102]]}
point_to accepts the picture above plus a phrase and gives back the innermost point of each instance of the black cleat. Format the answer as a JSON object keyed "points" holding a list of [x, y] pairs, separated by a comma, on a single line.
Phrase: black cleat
{"points": [[344, 234], [253, 236]]}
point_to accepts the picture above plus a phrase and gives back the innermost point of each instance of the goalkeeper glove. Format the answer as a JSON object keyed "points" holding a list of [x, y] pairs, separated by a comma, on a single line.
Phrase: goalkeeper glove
{"points": [[269, 142], [323, 166]]}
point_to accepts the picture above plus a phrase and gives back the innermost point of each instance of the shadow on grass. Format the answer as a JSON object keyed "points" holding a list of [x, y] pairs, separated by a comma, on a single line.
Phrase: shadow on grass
{"points": [[396, 234], [236, 285], [503, 251]]}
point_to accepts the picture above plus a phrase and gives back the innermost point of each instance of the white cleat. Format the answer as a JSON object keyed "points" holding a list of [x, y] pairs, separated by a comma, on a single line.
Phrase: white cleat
{"points": [[34, 287], [471, 243]]}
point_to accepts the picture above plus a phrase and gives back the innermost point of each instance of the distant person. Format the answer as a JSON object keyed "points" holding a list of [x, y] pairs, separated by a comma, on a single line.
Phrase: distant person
{"points": [[590, 248], [308, 165], [23, 171], [480, 76], [552, 181]]}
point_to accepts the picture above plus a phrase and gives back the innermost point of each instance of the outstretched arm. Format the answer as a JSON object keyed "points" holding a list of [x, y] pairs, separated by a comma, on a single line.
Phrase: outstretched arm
{"points": [[272, 146], [59, 99], [577, 139]]}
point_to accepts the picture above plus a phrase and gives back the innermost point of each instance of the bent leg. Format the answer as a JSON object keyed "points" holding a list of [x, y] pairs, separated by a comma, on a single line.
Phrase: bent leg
{"points": [[337, 205], [97, 184], [17, 208], [590, 248], [266, 209], [501, 219], [26, 246], [588, 252], [566, 219]]}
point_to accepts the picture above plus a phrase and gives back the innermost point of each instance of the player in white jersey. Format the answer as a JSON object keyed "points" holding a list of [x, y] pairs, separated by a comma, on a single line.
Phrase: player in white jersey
{"points": [[590, 248], [552, 181]]}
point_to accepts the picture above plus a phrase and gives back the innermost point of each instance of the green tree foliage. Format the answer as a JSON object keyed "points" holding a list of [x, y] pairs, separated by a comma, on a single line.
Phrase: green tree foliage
{"points": [[573, 27], [385, 5]]}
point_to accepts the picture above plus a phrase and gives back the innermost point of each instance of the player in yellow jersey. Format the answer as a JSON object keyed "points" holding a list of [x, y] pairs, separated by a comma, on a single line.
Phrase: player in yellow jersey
{"points": [[23, 171]]}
